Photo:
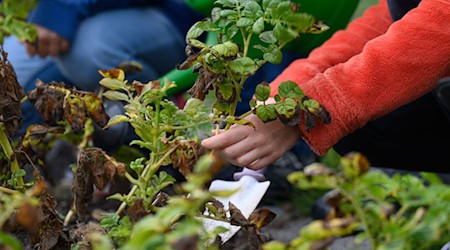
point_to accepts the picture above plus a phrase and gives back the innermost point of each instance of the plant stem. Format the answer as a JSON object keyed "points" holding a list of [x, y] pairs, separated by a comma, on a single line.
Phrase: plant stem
{"points": [[7, 190], [143, 175], [69, 216], [362, 217], [88, 131], [6, 145]]}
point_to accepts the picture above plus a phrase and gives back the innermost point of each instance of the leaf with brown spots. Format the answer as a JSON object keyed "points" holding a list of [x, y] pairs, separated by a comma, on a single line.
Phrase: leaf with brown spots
{"points": [[95, 109], [113, 73], [75, 113], [261, 217], [186, 155]]}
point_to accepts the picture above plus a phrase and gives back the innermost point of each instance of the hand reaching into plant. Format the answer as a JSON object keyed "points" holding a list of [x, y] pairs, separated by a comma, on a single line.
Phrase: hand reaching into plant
{"points": [[257, 147], [48, 43]]}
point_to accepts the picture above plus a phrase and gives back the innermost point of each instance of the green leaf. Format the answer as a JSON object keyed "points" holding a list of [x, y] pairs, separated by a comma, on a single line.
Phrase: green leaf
{"points": [[244, 22], [262, 92], [138, 165], [226, 49], [226, 90], [277, 98], [252, 10], [252, 103], [194, 32], [193, 104], [9, 241], [290, 89], [268, 37], [243, 66], [226, 3], [196, 43], [258, 26], [207, 26], [116, 119], [274, 56], [221, 107], [113, 84], [283, 34], [115, 95], [228, 13], [266, 112], [286, 108]]}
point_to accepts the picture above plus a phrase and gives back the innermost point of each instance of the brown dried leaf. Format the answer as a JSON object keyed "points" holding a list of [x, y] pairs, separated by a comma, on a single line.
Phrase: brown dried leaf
{"points": [[95, 167], [113, 73], [161, 199], [130, 67], [261, 217], [75, 113], [95, 109], [50, 227], [237, 218], [11, 92], [190, 60], [185, 156], [49, 101], [137, 210]]}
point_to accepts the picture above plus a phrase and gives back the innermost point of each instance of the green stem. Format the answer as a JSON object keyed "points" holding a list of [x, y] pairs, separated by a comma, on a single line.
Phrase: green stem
{"points": [[144, 174], [360, 213], [247, 44], [88, 131], [6, 145], [8, 191]]}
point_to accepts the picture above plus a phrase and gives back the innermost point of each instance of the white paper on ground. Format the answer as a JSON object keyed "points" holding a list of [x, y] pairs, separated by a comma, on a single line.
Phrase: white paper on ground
{"points": [[246, 199]]}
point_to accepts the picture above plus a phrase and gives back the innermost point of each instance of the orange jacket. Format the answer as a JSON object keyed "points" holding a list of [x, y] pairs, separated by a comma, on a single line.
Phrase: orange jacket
{"points": [[373, 67]]}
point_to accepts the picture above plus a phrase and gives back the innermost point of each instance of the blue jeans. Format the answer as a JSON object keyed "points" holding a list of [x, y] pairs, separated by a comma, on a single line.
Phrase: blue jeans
{"points": [[103, 41]]}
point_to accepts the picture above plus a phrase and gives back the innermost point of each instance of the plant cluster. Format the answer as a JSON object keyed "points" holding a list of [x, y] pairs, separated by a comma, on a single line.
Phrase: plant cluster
{"points": [[148, 217], [398, 212]]}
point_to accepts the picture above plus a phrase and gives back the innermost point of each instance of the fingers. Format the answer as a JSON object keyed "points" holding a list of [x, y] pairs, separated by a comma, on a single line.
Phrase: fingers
{"points": [[48, 43], [227, 138]]}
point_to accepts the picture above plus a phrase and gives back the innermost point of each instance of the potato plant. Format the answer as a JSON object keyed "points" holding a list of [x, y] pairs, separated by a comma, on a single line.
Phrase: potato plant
{"points": [[148, 217], [398, 212]]}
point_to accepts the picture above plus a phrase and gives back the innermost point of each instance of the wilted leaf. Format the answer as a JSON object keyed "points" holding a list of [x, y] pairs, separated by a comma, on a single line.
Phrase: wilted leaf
{"points": [[95, 167], [113, 74], [11, 92], [75, 114], [130, 67], [261, 217], [237, 218], [185, 156], [137, 210], [48, 101]]}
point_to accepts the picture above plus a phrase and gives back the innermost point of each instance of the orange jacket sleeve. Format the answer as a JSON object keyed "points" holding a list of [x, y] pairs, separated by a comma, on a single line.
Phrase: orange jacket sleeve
{"points": [[373, 67]]}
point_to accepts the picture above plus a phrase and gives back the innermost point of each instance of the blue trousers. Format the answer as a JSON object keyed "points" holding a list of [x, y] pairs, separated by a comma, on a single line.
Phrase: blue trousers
{"points": [[103, 41]]}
